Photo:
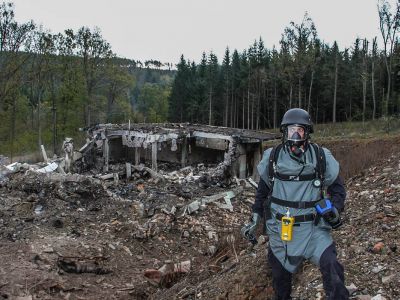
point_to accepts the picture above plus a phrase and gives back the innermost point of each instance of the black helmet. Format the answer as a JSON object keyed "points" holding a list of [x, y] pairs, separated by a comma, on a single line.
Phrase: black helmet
{"points": [[297, 116]]}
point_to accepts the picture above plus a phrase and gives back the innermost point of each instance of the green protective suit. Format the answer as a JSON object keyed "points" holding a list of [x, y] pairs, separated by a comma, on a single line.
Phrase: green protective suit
{"points": [[309, 240]]}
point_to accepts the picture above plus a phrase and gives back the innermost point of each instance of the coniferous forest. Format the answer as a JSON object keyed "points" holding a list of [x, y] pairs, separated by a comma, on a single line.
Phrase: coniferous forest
{"points": [[253, 88], [53, 84]]}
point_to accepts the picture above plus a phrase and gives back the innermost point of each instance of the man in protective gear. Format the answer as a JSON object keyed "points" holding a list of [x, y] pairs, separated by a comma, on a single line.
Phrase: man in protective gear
{"points": [[301, 194]]}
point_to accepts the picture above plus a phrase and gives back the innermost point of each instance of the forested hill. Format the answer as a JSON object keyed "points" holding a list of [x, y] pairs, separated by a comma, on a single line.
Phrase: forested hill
{"points": [[53, 84]]}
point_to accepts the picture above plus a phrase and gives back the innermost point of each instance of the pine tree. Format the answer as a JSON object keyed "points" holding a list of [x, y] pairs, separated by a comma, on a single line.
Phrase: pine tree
{"points": [[226, 73], [179, 92]]}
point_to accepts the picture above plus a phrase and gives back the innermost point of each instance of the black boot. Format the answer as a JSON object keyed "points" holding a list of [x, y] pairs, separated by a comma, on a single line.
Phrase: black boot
{"points": [[333, 275], [281, 278]]}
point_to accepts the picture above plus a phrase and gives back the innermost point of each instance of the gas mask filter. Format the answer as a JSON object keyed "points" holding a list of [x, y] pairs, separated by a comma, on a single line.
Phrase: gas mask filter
{"points": [[295, 137]]}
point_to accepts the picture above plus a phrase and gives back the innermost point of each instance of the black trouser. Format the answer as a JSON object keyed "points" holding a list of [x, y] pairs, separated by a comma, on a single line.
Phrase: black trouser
{"points": [[331, 270]]}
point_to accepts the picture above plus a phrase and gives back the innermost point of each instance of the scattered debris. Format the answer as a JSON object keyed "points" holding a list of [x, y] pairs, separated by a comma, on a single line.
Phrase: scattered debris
{"points": [[378, 247], [59, 231], [71, 266], [168, 273], [68, 148], [226, 196]]}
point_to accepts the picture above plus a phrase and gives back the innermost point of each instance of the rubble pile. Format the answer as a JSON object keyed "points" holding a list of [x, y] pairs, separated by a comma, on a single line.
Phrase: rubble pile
{"points": [[61, 226], [136, 233]]}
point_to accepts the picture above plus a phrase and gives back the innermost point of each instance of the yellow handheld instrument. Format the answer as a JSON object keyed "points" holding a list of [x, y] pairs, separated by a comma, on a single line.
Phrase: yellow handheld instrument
{"points": [[287, 227]]}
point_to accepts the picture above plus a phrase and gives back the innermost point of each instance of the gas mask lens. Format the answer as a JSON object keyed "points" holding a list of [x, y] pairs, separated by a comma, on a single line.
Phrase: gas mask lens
{"points": [[295, 133]]}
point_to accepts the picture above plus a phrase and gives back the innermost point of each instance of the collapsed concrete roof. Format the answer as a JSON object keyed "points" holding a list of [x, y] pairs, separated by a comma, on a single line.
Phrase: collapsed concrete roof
{"points": [[183, 129], [236, 149]]}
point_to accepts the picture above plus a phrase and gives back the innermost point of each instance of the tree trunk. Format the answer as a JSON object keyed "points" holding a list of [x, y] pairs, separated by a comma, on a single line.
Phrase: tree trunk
{"points": [[258, 109], [299, 92], [54, 112], [233, 109], [265, 107], [364, 83], [210, 108], [89, 112], [54, 117], [39, 123], [109, 108], [252, 112], [373, 90], [236, 117], [65, 112], [248, 108], [334, 92], [388, 90], [364, 79], [309, 92], [32, 117], [351, 106], [243, 110], [383, 101], [275, 107], [226, 108], [13, 117]]}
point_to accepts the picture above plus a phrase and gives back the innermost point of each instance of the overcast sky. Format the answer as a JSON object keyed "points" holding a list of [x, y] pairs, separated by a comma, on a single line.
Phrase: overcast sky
{"points": [[165, 29]]}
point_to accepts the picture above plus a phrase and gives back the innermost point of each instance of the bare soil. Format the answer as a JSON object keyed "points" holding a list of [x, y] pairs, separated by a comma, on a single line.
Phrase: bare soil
{"points": [[97, 240]]}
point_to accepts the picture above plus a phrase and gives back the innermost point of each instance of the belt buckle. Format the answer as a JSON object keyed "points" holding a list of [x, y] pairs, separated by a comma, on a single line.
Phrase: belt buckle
{"points": [[302, 204]]}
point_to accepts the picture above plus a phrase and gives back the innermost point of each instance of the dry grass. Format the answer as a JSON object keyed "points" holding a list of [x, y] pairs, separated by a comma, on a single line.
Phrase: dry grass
{"points": [[356, 156], [369, 129]]}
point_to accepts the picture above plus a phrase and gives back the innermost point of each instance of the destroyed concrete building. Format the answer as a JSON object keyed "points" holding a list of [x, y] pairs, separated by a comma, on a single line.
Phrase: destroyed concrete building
{"points": [[234, 151]]}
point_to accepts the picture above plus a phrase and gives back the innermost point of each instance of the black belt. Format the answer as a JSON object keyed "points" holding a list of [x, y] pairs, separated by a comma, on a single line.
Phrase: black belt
{"points": [[285, 177], [293, 204], [298, 219]]}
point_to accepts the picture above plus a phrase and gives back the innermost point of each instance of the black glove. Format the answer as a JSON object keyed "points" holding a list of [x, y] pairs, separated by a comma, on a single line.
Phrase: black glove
{"points": [[248, 230], [329, 213]]}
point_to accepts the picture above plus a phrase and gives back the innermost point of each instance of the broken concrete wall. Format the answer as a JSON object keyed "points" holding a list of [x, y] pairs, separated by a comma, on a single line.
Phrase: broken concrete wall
{"points": [[182, 144], [197, 149], [248, 157]]}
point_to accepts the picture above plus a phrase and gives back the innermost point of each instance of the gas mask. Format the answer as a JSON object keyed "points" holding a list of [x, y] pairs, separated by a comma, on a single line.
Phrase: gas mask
{"points": [[296, 139]]}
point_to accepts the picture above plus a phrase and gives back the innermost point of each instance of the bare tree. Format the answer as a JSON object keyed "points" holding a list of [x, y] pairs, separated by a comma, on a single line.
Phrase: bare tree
{"points": [[364, 76], [212, 75], [314, 59], [336, 53], [373, 58], [389, 25], [94, 51], [40, 77], [298, 38]]}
